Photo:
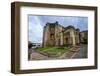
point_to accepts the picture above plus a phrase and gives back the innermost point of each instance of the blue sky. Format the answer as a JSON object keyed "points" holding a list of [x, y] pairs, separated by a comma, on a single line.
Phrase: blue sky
{"points": [[37, 22]]}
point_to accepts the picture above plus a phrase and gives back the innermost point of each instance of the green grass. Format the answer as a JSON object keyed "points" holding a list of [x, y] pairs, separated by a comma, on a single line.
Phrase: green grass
{"points": [[56, 51]]}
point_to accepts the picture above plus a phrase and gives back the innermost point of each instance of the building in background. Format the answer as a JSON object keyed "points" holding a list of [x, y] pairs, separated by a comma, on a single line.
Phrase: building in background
{"points": [[36, 45]]}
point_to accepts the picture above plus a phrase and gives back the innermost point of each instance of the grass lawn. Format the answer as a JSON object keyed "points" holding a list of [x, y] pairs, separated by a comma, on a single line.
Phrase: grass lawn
{"points": [[53, 51]]}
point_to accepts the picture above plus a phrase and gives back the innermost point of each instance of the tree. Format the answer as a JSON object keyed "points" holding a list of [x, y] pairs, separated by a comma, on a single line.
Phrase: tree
{"points": [[30, 45]]}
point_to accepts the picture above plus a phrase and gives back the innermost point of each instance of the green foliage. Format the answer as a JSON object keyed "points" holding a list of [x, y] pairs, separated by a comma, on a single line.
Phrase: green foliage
{"points": [[55, 51]]}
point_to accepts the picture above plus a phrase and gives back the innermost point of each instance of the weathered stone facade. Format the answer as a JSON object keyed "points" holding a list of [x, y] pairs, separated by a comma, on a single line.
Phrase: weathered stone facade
{"points": [[56, 35], [84, 36]]}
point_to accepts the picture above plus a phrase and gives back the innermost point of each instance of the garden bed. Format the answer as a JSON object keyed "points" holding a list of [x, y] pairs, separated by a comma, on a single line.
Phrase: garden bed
{"points": [[52, 51]]}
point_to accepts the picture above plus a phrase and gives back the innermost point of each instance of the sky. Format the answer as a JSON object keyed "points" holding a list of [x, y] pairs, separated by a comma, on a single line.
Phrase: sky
{"points": [[37, 22]]}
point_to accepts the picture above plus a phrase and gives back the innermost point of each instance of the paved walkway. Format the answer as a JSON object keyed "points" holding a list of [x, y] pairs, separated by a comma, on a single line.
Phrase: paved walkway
{"points": [[37, 56], [70, 54], [82, 53]]}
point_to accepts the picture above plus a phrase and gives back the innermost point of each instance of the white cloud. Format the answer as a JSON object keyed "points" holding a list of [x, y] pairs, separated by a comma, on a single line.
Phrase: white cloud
{"points": [[35, 30]]}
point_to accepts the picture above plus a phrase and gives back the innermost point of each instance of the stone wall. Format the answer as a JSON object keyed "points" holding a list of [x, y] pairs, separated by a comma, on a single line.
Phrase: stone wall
{"points": [[56, 35]]}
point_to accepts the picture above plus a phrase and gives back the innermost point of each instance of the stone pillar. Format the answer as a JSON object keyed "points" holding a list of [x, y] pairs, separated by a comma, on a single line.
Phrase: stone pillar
{"points": [[73, 38]]}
